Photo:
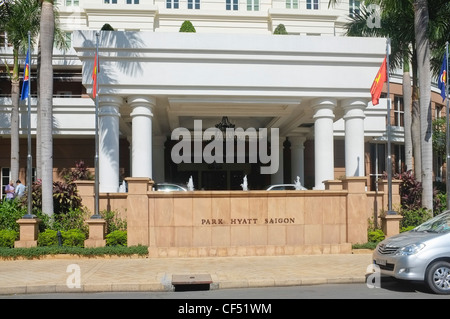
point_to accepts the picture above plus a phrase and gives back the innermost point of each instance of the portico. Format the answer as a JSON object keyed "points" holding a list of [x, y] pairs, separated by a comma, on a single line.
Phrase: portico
{"points": [[152, 83]]}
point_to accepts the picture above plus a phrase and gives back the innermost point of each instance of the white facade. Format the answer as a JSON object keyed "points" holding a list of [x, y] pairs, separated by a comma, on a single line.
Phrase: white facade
{"points": [[304, 17]]}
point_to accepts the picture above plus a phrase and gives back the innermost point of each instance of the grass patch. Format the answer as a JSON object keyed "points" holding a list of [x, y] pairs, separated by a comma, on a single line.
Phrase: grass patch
{"points": [[37, 252], [368, 245]]}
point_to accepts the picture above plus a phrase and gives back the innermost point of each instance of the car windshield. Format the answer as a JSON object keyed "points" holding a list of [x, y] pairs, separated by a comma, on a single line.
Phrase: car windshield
{"points": [[438, 224]]}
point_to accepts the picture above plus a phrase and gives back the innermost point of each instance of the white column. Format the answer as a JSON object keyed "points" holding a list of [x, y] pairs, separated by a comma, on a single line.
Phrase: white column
{"points": [[141, 149], [354, 136], [278, 177], [323, 140], [108, 155], [298, 158]]}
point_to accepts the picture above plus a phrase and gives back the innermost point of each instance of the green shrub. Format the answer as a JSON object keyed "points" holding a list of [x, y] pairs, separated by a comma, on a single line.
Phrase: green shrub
{"points": [[414, 217], [37, 252], [117, 238], [367, 245], [187, 27], [69, 238], [8, 237], [73, 238], [405, 229], [280, 29], [49, 237], [10, 212], [113, 221], [376, 236], [442, 199], [107, 27], [72, 219]]}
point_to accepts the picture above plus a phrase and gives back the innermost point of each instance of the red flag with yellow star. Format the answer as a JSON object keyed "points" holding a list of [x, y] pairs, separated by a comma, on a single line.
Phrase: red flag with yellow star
{"points": [[378, 82]]}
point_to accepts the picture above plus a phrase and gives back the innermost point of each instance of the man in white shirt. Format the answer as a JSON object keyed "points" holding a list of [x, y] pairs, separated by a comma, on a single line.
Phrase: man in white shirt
{"points": [[20, 189]]}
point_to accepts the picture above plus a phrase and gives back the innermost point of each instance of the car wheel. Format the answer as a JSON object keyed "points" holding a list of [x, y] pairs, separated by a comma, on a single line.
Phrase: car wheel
{"points": [[438, 277]]}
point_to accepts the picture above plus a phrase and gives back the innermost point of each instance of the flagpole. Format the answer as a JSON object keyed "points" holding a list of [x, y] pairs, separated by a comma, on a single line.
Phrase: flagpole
{"points": [[447, 128], [389, 160], [97, 188], [29, 214]]}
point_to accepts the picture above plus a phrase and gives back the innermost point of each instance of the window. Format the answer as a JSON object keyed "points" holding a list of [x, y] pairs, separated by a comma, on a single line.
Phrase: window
{"points": [[132, 1], [110, 1], [172, 4], [64, 94], [377, 164], [232, 4], [252, 5], [439, 111], [312, 4], [72, 3], [291, 4], [3, 39], [399, 164], [354, 7], [193, 4], [5, 180], [398, 111], [68, 39]]}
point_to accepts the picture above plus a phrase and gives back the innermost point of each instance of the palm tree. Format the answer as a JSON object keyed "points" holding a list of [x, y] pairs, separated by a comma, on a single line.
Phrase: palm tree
{"points": [[17, 19], [397, 20], [421, 21], [60, 42], [432, 30], [47, 31]]}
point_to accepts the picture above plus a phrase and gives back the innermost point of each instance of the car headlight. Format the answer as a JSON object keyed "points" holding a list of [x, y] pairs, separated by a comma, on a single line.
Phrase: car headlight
{"points": [[410, 249]]}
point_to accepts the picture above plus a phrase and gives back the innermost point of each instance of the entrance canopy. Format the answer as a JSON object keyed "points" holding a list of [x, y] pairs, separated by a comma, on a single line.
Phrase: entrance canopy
{"points": [[258, 80], [297, 84]]}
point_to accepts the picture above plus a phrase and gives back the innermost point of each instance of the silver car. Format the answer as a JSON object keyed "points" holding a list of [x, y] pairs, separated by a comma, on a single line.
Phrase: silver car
{"points": [[422, 254], [284, 187], [169, 187]]}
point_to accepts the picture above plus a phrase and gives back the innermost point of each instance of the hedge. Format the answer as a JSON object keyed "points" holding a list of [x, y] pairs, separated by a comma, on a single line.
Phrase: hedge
{"points": [[37, 252], [8, 237]]}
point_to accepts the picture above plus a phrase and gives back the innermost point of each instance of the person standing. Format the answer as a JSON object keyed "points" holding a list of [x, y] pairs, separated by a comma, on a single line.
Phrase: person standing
{"points": [[9, 190], [20, 189]]}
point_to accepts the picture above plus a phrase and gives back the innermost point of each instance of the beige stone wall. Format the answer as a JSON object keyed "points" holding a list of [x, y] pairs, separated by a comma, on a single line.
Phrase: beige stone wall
{"points": [[234, 223]]}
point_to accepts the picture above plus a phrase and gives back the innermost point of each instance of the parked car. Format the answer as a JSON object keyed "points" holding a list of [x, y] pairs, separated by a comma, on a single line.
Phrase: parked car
{"points": [[283, 187], [422, 254], [169, 187]]}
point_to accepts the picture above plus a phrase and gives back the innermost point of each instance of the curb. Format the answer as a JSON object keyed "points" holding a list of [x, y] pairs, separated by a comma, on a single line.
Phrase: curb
{"points": [[156, 275], [158, 287]]}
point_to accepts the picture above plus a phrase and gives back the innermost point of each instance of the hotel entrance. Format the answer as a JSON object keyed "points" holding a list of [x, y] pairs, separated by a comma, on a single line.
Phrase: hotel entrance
{"points": [[214, 176]]}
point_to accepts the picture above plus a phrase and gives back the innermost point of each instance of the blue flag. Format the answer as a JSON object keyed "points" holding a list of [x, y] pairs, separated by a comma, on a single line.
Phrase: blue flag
{"points": [[442, 81], [26, 78]]}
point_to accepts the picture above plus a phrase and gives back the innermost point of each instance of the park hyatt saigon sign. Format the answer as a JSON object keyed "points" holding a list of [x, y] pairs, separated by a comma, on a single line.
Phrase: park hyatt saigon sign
{"points": [[247, 221]]}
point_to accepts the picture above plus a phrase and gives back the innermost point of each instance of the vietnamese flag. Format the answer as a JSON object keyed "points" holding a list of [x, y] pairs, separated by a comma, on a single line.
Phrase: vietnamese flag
{"points": [[378, 82], [94, 77]]}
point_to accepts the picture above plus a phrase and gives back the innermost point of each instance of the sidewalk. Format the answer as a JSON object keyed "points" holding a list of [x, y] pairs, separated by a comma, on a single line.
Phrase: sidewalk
{"points": [[59, 274]]}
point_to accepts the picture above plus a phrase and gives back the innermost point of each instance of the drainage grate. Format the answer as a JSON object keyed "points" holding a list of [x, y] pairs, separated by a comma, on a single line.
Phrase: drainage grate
{"points": [[191, 282]]}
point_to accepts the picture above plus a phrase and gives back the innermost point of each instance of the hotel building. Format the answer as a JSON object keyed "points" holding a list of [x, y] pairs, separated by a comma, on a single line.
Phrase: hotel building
{"points": [[311, 85]]}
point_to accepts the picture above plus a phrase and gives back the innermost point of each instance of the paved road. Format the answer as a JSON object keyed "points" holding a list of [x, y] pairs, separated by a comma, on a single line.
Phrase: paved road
{"points": [[388, 289]]}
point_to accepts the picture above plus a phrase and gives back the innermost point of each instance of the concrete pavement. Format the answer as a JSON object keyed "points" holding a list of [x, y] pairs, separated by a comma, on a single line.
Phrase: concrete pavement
{"points": [[82, 274]]}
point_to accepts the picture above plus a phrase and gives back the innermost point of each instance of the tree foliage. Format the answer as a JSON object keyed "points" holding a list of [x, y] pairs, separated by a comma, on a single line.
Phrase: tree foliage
{"points": [[187, 27], [280, 29]]}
